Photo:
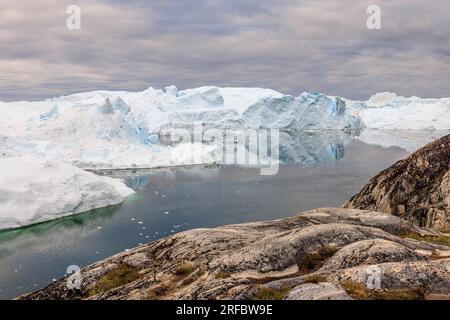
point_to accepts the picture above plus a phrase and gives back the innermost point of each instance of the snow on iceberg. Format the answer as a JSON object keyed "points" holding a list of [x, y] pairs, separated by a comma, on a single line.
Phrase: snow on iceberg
{"points": [[387, 111], [99, 133], [119, 129], [33, 191]]}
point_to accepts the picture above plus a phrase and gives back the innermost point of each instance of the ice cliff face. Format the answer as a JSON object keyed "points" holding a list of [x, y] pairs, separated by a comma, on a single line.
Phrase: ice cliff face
{"points": [[309, 111], [117, 129]]}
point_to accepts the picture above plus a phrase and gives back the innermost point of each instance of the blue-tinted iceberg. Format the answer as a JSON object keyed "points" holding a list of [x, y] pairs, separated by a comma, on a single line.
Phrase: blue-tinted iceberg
{"points": [[118, 129]]}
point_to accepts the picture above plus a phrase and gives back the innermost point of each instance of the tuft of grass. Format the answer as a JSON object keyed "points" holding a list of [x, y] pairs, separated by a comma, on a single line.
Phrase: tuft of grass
{"points": [[160, 291], [359, 291], [222, 275], [266, 293], [433, 239], [313, 261], [120, 276], [192, 278], [315, 278], [184, 269]]}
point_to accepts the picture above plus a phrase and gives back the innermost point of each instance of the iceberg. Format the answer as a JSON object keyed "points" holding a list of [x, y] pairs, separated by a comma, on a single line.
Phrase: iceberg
{"points": [[45, 145], [36, 190], [120, 129], [387, 111], [320, 112]]}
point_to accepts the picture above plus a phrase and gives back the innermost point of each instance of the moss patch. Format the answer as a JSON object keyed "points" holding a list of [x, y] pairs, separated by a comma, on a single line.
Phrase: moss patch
{"points": [[120, 276], [313, 261], [359, 291], [265, 293]]}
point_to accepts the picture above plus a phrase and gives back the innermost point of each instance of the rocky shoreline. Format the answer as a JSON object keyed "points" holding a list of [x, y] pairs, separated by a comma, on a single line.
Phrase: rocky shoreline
{"points": [[327, 253], [416, 188], [324, 253]]}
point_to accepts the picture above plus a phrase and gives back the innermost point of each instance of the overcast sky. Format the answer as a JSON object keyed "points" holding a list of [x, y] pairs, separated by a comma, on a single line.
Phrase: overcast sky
{"points": [[288, 45]]}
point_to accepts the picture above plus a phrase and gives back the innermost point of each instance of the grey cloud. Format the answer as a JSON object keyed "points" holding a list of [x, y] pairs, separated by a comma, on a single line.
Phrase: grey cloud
{"points": [[291, 46]]}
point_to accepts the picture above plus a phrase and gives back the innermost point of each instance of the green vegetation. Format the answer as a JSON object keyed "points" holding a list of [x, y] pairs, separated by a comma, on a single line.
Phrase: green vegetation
{"points": [[193, 277], [160, 291], [222, 275], [315, 278], [433, 239], [266, 293], [359, 291], [120, 276], [313, 261], [184, 269]]}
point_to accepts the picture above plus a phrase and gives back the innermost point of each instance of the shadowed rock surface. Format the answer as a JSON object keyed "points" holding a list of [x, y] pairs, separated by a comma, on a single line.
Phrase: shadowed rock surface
{"points": [[302, 257], [416, 189]]}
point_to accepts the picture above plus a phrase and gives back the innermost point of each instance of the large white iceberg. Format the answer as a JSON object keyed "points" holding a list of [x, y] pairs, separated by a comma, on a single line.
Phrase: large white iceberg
{"points": [[119, 129], [43, 144], [34, 191], [116, 129]]}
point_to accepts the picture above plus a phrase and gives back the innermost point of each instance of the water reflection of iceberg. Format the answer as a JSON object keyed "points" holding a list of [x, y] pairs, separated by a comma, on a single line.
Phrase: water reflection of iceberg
{"points": [[313, 147], [65, 230], [318, 147], [409, 140], [140, 179], [308, 147]]}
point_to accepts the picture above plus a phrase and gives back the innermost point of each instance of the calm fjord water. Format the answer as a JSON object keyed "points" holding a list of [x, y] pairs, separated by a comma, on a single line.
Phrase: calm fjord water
{"points": [[172, 200]]}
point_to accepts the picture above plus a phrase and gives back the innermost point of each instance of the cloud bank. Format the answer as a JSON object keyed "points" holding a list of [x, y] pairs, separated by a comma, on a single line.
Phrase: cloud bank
{"points": [[291, 46]]}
